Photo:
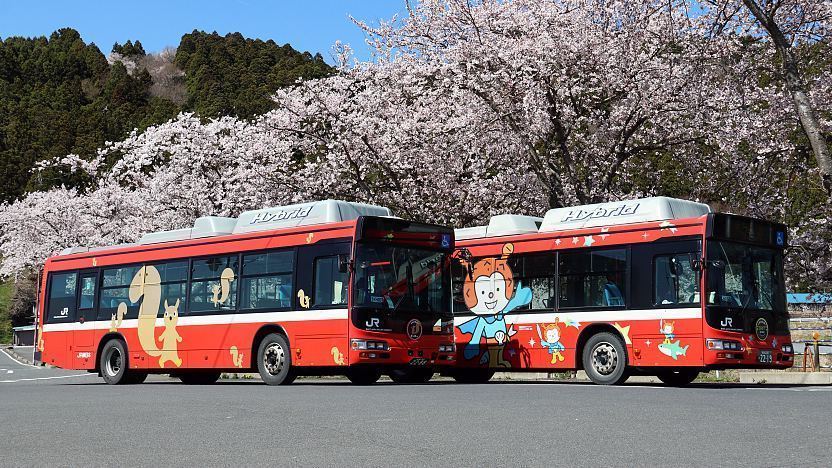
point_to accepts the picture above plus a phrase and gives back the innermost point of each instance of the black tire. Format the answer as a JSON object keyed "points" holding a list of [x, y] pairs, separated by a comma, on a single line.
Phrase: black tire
{"points": [[411, 376], [274, 360], [473, 376], [678, 378], [605, 359], [361, 376], [113, 363], [199, 378]]}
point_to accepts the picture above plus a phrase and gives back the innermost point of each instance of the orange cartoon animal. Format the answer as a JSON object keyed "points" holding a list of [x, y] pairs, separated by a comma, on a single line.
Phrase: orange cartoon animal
{"points": [[667, 329], [490, 292]]}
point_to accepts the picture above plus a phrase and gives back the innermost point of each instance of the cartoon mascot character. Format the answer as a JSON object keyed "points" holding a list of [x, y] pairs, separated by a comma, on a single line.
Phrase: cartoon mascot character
{"points": [[490, 293]]}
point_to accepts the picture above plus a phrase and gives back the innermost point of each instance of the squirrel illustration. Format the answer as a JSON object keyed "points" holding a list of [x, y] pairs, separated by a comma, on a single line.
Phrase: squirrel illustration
{"points": [[170, 337], [220, 291], [116, 318], [236, 357], [338, 356]]}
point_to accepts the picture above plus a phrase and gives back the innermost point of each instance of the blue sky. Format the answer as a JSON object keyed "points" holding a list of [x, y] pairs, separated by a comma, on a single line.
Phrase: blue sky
{"points": [[312, 25]]}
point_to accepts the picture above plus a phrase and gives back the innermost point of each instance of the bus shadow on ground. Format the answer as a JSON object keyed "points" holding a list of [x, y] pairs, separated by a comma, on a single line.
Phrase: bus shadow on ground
{"points": [[334, 382]]}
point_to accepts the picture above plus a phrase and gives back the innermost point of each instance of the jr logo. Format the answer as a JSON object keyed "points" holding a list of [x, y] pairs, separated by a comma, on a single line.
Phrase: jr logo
{"points": [[727, 322], [373, 322]]}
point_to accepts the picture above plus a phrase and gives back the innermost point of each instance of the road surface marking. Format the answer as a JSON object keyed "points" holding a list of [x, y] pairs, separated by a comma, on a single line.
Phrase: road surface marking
{"points": [[47, 378]]}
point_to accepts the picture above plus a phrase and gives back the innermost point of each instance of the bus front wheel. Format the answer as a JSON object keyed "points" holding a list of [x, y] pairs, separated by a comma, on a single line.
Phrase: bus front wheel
{"points": [[113, 365], [605, 359], [274, 360]]}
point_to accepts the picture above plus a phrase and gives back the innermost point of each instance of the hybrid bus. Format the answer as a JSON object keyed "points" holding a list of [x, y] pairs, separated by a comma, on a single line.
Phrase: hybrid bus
{"points": [[326, 287], [655, 286]]}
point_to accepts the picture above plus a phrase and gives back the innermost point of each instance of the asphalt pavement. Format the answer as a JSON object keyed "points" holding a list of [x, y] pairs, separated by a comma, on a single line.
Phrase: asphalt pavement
{"points": [[68, 418]]}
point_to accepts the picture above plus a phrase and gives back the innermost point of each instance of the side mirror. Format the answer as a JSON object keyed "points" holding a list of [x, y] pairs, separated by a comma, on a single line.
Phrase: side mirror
{"points": [[343, 263], [696, 264]]}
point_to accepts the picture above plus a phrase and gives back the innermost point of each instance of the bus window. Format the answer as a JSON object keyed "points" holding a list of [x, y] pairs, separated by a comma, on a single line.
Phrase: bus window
{"points": [[538, 273], [267, 280], [675, 281], [115, 289], [330, 283], [592, 278], [214, 284], [62, 298], [88, 291], [174, 281]]}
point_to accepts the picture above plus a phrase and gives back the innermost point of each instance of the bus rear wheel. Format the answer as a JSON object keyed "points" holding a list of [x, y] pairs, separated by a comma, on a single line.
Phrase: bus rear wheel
{"points": [[411, 376], [274, 360], [473, 376], [199, 378], [678, 378], [605, 359], [113, 365], [360, 376]]}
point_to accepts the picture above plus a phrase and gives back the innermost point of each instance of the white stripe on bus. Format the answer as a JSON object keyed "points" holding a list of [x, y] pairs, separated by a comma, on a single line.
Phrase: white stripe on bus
{"points": [[216, 319], [597, 316]]}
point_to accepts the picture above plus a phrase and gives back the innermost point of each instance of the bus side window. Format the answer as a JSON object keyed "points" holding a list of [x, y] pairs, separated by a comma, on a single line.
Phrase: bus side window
{"points": [[537, 272], [115, 290], [214, 284], [674, 279], [592, 278], [62, 299], [330, 283], [267, 280]]}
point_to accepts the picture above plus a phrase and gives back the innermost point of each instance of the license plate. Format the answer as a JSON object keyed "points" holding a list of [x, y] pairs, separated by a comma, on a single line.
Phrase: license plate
{"points": [[764, 357], [419, 362]]}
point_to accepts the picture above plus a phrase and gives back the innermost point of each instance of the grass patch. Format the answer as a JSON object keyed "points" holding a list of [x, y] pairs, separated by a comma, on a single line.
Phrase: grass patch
{"points": [[6, 288], [730, 375]]}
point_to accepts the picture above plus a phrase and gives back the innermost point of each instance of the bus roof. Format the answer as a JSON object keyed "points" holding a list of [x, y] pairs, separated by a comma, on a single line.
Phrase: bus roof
{"points": [[586, 216], [266, 219]]}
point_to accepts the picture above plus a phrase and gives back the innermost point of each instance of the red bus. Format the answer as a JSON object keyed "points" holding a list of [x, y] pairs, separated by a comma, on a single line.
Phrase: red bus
{"points": [[318, 288], [616, 289]]}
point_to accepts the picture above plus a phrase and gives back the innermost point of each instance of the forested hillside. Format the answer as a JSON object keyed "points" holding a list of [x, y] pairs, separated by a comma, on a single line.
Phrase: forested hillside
{"points": [[60, 95]]}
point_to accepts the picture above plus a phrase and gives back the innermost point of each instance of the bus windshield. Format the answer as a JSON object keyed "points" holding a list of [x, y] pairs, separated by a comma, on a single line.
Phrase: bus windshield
{"points": [[401, 279], [745, 276]]}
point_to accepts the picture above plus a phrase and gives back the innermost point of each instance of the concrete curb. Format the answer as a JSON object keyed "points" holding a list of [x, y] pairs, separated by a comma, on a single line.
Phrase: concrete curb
{"points": [[788, 378]]}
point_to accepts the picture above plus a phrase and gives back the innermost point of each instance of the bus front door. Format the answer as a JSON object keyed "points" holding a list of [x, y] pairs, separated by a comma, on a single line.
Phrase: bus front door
{"points": [[323, 289], [84, 335]]}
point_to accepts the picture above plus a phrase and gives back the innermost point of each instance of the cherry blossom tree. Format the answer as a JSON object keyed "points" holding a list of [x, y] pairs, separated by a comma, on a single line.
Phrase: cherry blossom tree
{"points": [[790, 27], [470, 109]]}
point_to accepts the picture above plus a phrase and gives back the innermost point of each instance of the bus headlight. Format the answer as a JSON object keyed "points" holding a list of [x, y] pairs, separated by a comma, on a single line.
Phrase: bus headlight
{"points": [[359, 344], [728, 345], [787, 348]]}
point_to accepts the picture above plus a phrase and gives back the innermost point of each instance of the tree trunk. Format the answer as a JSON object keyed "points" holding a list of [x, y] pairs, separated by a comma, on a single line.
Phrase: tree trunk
{"points": [[797, 89]]}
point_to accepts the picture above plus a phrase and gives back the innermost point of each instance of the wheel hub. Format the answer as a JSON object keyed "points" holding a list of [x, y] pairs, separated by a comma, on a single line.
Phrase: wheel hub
{"points": [[274, 359], [113, 362], [604, 358]]}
